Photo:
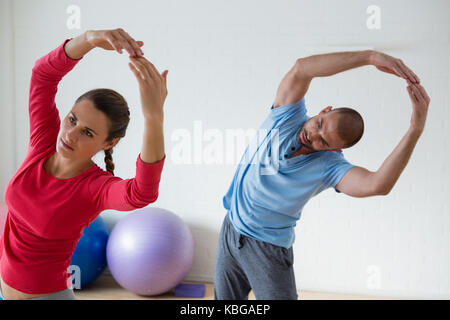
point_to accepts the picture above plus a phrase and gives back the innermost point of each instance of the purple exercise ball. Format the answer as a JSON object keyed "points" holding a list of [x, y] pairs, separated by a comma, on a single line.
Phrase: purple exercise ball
{"points": [[150, 251]]}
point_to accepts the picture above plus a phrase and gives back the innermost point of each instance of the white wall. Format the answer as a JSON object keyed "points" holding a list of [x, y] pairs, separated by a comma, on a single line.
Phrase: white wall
{"points": [[8, 159], [225, 61]]}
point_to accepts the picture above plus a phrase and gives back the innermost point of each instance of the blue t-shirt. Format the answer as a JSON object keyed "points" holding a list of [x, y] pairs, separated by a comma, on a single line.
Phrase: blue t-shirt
{"points": [[269, 189]]}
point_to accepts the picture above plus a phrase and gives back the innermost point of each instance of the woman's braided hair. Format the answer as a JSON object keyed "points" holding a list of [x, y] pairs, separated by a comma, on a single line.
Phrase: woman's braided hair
{"points": [[116, 109]]}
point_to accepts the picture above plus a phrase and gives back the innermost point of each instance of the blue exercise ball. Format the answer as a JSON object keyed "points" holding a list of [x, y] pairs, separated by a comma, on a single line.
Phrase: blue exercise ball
{"points": [[89, 258]]}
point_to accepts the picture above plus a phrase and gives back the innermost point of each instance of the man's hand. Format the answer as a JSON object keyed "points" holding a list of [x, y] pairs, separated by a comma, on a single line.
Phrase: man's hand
{"points": [[386, 63], [420, 101]]}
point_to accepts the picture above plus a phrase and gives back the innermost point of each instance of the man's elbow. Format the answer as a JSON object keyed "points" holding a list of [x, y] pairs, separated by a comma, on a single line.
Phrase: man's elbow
{"points": [[300, 68], [383, 190], [298, 64]]}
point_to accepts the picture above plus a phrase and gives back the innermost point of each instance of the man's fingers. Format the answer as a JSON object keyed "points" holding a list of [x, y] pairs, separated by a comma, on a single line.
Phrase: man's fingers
{"points": [[417, 93], [411, 76], [164, 76], [406, 71], [412, 73], [411, 93], [424, 93], [387, 70], [399, 71]]}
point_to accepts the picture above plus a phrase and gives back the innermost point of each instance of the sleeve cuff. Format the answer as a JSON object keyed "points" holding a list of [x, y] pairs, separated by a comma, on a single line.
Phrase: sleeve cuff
{"points": [[341, 175], [66, 57], [149, 173], [285, 108]]}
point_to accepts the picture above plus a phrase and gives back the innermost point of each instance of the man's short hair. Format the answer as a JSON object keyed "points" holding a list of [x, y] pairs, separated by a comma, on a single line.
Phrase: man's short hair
{"points": [[350, 126]]}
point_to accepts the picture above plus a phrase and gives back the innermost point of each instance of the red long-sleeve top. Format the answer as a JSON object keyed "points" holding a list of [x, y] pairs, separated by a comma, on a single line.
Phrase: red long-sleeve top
{"points": [[46, 215]]}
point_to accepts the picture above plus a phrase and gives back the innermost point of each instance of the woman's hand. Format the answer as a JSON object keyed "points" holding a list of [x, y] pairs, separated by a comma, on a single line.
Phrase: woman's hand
{"points": [[152, 87], [116, 39], [420, 101], [386, 63]]}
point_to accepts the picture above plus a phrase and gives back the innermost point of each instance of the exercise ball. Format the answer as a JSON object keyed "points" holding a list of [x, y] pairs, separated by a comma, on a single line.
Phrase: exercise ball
{"points": [[150, 251], [90, 253]]}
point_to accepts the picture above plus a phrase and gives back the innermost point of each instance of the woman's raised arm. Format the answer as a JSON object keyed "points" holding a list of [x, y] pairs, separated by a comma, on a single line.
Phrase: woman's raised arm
{"points": [[116, 39]]}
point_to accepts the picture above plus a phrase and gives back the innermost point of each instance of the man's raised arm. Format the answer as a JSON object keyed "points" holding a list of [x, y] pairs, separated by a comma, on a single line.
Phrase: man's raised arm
{"points": [[359, 182], [328, 64]]}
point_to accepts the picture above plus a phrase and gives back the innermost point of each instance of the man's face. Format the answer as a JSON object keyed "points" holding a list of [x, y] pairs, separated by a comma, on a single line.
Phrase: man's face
{"points": [[84, 129], [320, 132]]}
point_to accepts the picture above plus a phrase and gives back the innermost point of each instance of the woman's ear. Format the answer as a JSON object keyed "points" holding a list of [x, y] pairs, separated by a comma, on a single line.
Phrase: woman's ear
{"points": [[111, 144]]}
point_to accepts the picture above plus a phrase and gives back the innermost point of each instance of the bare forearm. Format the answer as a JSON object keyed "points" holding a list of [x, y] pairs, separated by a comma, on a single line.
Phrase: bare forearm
{"points": [[78, 46], [389, 172], [323, 65], [153, 144]]}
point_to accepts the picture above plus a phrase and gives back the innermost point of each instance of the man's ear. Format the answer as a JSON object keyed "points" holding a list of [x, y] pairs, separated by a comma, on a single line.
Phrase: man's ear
{"points": [[327, 109]]}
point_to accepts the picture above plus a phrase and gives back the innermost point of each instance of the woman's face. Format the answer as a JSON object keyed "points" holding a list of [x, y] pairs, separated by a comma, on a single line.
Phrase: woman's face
{"points": [[84, 130]]}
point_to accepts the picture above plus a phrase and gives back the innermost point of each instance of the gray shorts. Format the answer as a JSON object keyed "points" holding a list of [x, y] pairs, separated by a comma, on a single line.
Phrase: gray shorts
{"points": [[66, 294], [244, 264]]}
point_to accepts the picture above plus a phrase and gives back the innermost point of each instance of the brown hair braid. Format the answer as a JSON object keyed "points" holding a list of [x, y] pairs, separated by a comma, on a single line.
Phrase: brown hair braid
{"points": [[109, 161]]}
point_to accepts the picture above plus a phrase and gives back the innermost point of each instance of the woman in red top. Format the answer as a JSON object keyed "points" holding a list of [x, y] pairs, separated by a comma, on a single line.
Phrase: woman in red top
{"points": [[58, 190]]}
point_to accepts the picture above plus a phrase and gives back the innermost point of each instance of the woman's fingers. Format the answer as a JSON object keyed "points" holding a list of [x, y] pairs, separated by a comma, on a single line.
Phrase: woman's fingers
{"points": [[142, 68], [124, 42], [150, 73], [114, 43], [119, 40], [151, 69], [136, 72], [155, 73]]}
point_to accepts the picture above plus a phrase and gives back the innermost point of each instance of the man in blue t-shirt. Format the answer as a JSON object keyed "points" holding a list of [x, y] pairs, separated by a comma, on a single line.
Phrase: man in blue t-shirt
{"points": [[292, 158]]}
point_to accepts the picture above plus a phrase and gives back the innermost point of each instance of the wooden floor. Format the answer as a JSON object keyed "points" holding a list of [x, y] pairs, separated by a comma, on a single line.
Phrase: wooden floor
{"points": [[106, 288]]}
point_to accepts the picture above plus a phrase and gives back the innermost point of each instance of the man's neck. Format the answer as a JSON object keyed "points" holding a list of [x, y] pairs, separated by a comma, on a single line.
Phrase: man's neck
{"points": [[302, 151]]}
